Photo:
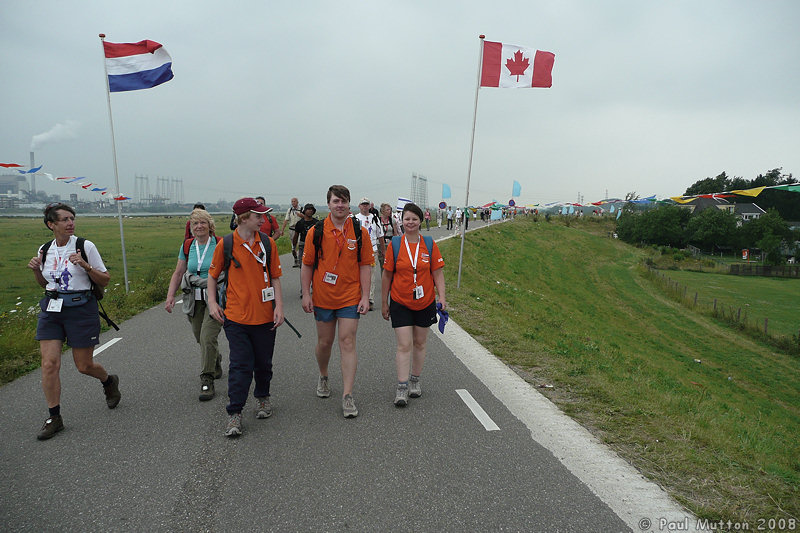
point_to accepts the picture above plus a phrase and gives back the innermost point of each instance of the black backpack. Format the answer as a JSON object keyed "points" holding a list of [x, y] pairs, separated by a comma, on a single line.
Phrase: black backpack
{"points": [[227, 254], [97, 291], [319, 228]]}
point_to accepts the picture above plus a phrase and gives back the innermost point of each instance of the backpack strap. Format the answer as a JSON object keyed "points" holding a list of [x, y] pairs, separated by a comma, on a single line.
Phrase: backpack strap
{"points": [[187, 245], [359, 238], [319, 229], [227, 252], [396, 248]]}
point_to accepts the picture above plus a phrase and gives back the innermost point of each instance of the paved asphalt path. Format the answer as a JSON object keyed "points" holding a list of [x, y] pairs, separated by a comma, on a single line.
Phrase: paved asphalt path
{"points": [[159, 461]]}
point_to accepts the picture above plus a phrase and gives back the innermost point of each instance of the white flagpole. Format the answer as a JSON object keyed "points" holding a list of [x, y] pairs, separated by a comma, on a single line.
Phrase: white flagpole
{"points": [[116, 172], [469, 167]]}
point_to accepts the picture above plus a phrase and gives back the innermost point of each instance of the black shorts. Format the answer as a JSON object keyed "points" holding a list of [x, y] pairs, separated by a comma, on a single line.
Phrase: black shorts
{"points": [[402, 316]]}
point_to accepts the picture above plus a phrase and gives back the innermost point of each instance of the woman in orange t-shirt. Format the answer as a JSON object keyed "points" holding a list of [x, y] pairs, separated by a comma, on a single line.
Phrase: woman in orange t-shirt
{"points": [[411, 282]]}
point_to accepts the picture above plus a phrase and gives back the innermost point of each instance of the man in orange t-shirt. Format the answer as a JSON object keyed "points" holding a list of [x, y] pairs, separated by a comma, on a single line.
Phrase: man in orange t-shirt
{"points": [[253, 311], [341, 291]]}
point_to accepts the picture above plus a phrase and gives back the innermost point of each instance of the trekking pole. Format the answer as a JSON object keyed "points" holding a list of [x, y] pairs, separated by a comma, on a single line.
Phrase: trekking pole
{"points": [[286, 321]]}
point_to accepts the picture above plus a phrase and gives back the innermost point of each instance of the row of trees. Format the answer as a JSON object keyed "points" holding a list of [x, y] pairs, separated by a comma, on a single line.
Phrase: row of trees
{"points": [[709, 230], [787, 204]]}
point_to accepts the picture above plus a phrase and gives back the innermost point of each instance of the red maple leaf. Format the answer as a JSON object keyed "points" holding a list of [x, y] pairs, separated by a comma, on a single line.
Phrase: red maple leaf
{"points": [[518, 65]]}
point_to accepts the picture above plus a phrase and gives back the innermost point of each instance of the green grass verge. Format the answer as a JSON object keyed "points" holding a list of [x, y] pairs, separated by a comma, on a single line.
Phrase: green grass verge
{"points": [[571, 308], [151, 248]]}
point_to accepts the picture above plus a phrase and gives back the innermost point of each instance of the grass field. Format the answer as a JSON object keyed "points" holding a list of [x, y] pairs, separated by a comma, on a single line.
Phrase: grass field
{"points": [[151, 247], [758, 297], [571, 308]]}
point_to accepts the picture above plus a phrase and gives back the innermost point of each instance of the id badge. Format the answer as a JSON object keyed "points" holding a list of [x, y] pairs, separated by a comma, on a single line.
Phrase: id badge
{"points": [[330, 277], [419, 292], [198, 294], [54, 305], [268, 294]]}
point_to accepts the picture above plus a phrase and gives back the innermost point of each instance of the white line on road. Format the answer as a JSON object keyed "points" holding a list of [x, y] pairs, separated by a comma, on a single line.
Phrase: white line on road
{"points": [[477, 410], [110, 343]]}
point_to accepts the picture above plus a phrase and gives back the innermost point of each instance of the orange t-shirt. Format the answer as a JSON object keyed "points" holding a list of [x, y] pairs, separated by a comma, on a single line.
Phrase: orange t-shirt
{"points": [[403, 280], [339, 257], [244, 305]]}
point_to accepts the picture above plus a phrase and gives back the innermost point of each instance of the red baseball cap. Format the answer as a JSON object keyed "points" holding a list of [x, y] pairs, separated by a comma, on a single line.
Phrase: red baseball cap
{"points": [[243, 205]]}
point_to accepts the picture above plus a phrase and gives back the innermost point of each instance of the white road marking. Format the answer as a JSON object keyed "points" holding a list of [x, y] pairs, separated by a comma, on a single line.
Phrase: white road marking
{"points": [[477, 410], [623, 488], [110, 343]]}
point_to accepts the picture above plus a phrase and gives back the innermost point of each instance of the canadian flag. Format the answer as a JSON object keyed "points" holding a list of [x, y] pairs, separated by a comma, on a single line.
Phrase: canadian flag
{"points": [[512, 66]]}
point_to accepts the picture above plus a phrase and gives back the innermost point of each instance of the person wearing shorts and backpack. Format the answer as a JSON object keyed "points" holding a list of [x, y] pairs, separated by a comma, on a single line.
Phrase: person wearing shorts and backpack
{"points": [[69, 311], [340, 270], [412, 275]]}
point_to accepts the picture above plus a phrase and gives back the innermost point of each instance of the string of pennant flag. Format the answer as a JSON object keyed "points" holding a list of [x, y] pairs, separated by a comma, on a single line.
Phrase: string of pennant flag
{"points": [[80, 181]]}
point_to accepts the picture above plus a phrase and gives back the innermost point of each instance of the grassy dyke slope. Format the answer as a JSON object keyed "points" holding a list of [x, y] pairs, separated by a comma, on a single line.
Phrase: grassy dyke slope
{"points": [[710, 414]]}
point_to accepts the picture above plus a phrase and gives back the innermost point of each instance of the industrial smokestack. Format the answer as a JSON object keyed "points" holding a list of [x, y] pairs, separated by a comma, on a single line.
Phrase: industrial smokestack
{"points": [[33, 178]]}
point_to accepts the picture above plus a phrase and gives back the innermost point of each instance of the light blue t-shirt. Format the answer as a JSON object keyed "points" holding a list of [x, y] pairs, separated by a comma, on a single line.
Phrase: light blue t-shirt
{"points": [[205, 254]]}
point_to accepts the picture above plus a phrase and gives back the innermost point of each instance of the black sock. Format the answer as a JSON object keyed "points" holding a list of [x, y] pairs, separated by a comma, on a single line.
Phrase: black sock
{"points": [[108, 381], [55, 411]]}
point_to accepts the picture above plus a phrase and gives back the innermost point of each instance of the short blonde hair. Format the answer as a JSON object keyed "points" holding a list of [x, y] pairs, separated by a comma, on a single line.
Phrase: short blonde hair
{"points": [[201, 214]]}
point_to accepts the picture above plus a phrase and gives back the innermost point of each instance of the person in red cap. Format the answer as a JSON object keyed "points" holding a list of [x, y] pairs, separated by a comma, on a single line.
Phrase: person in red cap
{"points": [[341, 291], [253, 310]]}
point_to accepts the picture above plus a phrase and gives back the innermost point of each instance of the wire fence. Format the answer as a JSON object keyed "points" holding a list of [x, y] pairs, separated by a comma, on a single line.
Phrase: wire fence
{"points": [[736, 316]]}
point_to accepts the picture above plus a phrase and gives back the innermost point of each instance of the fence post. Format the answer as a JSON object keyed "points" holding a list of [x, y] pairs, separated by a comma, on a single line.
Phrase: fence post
{"points": [[766, 321], [695, 299], [739, 314], [715, 306]]}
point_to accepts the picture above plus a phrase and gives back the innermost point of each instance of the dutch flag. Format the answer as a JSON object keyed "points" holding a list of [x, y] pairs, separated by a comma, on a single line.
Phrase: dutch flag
{"points": [[134, 66]]}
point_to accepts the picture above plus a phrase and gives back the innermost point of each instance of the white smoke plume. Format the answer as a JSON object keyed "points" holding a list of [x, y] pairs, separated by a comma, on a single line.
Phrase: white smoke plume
{"points": [[59, 132]]}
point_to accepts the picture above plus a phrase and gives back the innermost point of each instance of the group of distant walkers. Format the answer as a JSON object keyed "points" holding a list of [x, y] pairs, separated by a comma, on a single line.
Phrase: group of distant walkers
{"points": [[234, 283]]}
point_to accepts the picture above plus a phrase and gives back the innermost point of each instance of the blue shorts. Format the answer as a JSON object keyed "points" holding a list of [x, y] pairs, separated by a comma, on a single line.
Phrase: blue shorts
{"points": [[327, 315], [79, 326]]}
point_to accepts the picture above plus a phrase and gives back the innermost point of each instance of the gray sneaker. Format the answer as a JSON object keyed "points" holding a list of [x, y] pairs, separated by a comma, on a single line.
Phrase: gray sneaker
{"points": [[263, 408], [414, 388], [401, 395], [323, 390], [234, 427], [349, 406]]}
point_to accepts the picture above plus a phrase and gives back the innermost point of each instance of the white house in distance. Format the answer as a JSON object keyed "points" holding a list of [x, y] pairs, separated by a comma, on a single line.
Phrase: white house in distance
{"points": [[743, 212]]}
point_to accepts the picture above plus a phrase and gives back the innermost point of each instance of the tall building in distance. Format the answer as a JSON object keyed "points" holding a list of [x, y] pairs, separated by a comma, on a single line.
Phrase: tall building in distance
{"points": [[419, 190]]}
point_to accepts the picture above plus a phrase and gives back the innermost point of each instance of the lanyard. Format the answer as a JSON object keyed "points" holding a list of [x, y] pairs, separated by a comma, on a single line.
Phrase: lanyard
{"points": [[416, 256], [200, 258], [341, 242], [262, 260]]}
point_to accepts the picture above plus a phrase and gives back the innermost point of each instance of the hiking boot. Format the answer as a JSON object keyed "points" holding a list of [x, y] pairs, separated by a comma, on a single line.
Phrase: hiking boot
{"points": [[112, 391], [218, 370], [51, 426], [414, 388], [234, 427], [323, 390], [349, 406], [371, 305], [401, 395], [206, 389], [263, 408]]}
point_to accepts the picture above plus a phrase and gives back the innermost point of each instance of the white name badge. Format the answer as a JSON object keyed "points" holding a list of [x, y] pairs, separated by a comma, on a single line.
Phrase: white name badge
{"points": [[198, 294], [330, 277], [419, 292], [54, 305], [268, 294]]}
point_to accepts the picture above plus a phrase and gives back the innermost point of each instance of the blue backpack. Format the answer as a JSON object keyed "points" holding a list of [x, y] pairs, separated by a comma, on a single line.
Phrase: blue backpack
{"points": [[396, 247]]}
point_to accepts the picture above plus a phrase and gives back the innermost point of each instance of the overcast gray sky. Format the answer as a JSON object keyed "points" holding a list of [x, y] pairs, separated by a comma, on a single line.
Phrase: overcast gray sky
{"points": [[286, 98]]}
